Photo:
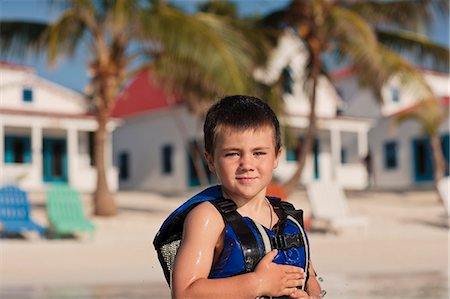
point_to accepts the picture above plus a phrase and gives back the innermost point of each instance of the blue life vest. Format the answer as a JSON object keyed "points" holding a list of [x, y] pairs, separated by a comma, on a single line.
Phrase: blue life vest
{"points": [[245, 241]]}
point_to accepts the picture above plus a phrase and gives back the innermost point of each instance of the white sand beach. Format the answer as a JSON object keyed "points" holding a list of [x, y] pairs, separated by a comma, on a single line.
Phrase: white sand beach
{"points": [[404, 254]]}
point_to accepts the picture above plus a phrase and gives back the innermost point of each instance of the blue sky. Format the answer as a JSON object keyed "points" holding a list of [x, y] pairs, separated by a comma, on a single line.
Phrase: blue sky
{"points": [[71, 72]]}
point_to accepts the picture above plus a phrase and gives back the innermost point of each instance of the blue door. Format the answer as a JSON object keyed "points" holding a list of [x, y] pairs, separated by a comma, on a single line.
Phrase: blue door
{"points": [[292, 155], [422, 160], [55, 160], [445, 143], [316, 150], [193, 178]]}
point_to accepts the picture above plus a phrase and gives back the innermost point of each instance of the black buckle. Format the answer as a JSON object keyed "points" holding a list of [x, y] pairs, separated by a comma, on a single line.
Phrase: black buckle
{"points": [[284, 242]]}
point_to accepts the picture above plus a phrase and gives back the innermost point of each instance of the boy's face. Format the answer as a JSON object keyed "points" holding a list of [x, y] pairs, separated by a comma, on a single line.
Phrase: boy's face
{"points": [[244, 161]]}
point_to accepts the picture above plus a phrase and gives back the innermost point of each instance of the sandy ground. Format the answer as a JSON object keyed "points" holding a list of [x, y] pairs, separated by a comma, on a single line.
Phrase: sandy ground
{"points": [[404, 253]]}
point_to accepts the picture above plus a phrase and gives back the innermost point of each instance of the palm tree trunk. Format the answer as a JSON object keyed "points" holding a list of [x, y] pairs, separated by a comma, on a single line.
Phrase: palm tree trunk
{"points": [[306, 147], [104, 204], [438, 161]]}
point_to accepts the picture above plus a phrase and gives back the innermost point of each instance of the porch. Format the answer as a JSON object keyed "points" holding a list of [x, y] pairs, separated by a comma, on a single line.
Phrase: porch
{"points": [[38, 150], [339, 151]]}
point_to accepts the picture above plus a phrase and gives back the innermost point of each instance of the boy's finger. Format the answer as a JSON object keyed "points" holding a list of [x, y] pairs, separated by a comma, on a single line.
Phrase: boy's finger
{"points": [[292, 269], [271, 255], [296, 276]]}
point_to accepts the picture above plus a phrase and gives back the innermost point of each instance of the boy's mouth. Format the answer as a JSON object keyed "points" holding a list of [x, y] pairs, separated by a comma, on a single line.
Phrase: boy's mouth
{"points": [[245, 179]]}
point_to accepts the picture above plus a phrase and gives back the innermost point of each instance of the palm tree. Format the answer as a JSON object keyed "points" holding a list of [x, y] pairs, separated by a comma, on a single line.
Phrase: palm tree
{"points": [[198, 56], [430, 116], [363, 33]]}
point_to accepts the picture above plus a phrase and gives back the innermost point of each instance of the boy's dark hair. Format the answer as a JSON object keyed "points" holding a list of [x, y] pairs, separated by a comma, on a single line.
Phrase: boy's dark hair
{"points": [[240, 112]]}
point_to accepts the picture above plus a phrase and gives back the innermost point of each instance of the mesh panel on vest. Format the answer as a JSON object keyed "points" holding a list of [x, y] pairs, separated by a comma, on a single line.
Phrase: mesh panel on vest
{"points": [[168, 253]]}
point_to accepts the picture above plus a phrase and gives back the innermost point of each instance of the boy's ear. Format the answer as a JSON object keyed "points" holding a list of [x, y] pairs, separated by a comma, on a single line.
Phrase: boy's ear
{"points": [[277, 157], [210, 160]]}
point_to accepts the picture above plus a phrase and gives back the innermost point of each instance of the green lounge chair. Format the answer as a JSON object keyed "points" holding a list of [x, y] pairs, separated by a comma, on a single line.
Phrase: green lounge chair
{"points": [[65, 212]]}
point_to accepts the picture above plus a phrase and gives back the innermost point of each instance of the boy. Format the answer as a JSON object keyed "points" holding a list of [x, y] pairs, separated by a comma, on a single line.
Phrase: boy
{"points": [[235, 242]]}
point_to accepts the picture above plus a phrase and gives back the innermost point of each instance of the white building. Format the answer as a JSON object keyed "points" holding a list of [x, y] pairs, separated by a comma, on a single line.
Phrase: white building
{"points": [[400, 154], [46, 133], [151, 148], [341, 141]]}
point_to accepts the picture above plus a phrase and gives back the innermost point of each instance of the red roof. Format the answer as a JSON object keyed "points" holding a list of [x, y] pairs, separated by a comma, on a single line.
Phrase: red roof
{"points": [[142, 95], [342, 73]]}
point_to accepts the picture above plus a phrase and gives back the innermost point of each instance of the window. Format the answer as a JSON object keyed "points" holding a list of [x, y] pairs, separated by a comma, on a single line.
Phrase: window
{"points": [[395, 95], [27, 95], [124, 167], [343, 156], [390, 155], [291, 154], [445, 146], [287, 79], [91, 147], [167, 163], [17, 149]]}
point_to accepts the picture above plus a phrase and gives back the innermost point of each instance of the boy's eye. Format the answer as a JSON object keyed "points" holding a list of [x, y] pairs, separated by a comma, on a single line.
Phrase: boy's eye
{"points": [[259, 153], [231, 154]]}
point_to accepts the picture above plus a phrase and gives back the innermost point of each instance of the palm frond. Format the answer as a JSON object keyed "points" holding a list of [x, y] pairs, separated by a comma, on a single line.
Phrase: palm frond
{"points": [[355, 40], [409, 76], [427, 112], [87, 5], [417, 45], [63, 35], [399, 13], [202, 50], [19, 38], [120, 18]]}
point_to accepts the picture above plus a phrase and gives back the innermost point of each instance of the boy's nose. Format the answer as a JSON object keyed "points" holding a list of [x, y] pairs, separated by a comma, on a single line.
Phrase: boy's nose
{"points": [[246, 162]]}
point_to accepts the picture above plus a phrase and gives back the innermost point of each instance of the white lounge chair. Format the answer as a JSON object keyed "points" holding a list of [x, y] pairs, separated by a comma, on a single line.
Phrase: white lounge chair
{"points": [[329, 206]]}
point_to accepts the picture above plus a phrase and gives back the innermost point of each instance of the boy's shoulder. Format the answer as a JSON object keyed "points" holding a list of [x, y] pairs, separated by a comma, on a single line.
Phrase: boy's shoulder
{"points": [[205, 210], [177, 217]]}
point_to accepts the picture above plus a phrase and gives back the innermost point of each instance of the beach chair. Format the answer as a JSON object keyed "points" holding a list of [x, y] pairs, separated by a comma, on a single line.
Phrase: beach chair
{"points": [[15, 213], [443, 187], [65, 212], [329, 208]]}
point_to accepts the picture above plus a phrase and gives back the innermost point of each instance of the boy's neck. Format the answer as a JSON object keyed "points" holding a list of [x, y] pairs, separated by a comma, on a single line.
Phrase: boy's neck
{"points": [[244, 204]]}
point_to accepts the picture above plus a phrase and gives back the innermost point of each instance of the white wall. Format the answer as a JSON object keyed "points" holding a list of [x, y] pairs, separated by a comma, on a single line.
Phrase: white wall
{"points": [[292, 52], [142, 137], [47, 96], [54, 111], [403, 176]]}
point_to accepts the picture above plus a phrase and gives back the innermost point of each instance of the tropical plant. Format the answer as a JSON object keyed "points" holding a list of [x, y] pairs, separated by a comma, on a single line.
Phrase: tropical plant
{"points": [[365, 34], [198, 56]]}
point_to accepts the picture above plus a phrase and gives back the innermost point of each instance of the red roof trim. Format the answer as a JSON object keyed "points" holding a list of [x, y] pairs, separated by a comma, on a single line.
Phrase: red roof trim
{"points": [[345, 72], [338, 117], [14, 66], [342, 73], [444, 101]]}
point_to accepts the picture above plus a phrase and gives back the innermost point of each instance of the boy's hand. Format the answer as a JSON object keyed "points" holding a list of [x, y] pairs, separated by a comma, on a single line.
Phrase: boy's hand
{"points": [[278, 280], [299, 294]]}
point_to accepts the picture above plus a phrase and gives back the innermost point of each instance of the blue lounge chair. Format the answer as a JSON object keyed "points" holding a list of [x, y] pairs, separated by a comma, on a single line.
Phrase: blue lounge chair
{"points": [[15, 212]]}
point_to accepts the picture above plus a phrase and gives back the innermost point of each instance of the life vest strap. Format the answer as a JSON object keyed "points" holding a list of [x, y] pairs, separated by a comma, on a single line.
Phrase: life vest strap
{"points": [[252, 253]]}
